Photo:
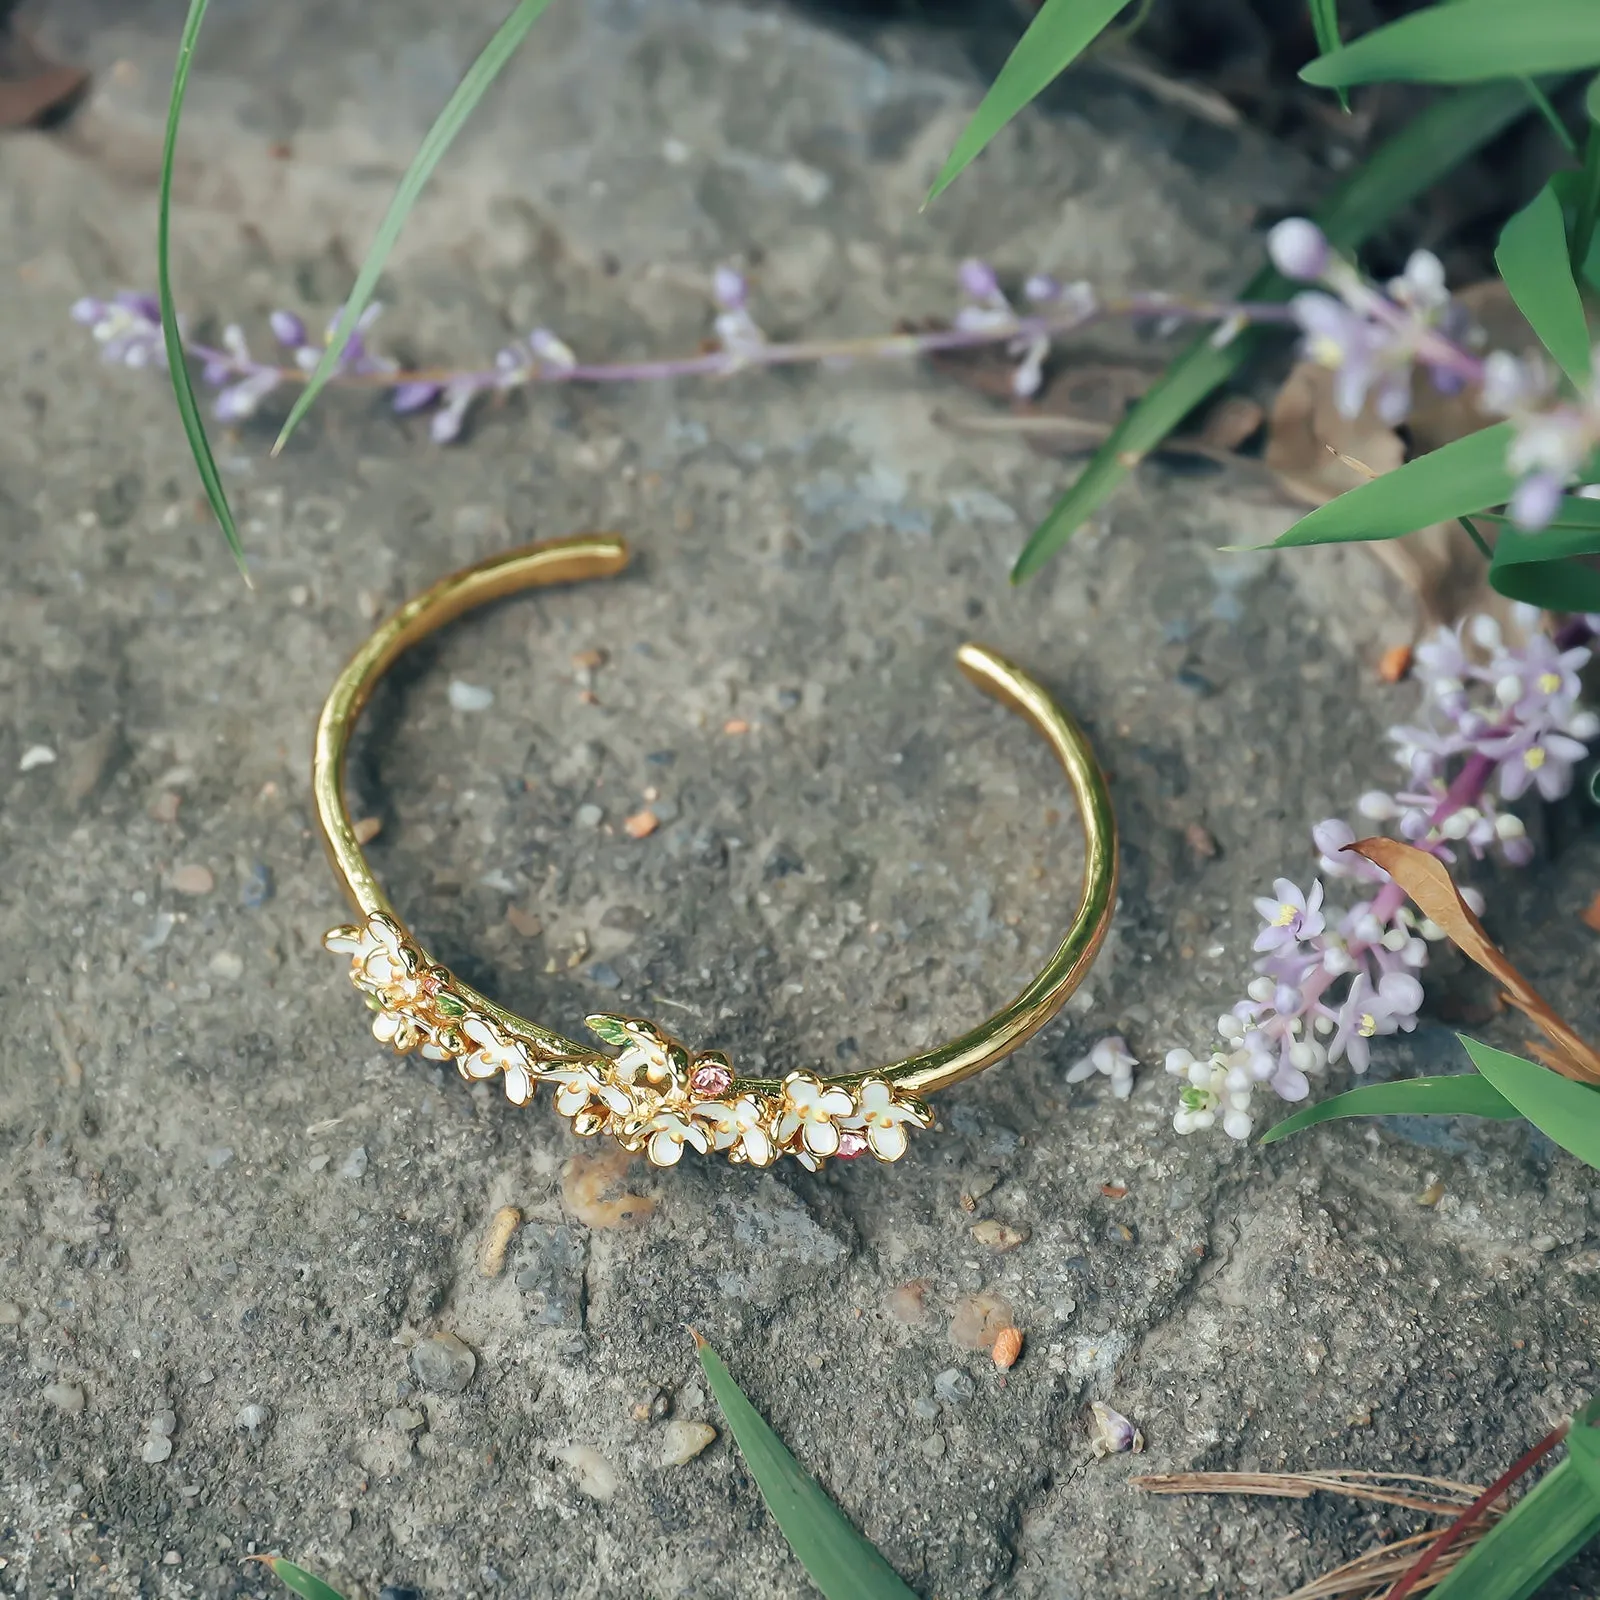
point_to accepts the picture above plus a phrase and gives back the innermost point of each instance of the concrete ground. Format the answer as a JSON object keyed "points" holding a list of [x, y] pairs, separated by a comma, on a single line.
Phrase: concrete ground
{"points": [[232, 1230]]}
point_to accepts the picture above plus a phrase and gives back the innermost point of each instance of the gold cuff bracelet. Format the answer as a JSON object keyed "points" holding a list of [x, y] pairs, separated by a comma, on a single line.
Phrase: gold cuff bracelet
{"points": [[656, 1095]]}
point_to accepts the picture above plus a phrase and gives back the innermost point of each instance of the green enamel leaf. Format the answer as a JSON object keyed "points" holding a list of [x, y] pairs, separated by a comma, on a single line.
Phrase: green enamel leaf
{"points": [[440, 136], [1467, 42], [1460, 1094], [305, 1584], [449, 1005], [1456, 480], [837, 1558], [177, 362], [610, 1030], [1410, 163], [1565, 1111], [1532, 258], [1056, 37]]}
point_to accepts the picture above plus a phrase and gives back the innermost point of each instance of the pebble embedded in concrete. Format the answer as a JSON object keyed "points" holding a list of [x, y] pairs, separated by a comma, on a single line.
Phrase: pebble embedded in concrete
{"points": [[65, 1397], [683, 1440], [443, 1362], [954, 1386]]}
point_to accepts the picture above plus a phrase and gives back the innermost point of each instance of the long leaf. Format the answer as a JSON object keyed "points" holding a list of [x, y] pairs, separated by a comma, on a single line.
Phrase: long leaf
{"points": [[305, 1584], [1542, 1532], [838, 1559], [1565, 1111], [1460, 1094], [177, 362], [1416, 158], [1455, 480], [1541, 568], [1056, 37], [1466, 43], [1532, 258], [449, 123]]}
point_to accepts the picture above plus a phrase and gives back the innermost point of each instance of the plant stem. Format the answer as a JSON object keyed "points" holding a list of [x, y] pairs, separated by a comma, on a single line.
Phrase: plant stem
{"points": [[1588, 204]]}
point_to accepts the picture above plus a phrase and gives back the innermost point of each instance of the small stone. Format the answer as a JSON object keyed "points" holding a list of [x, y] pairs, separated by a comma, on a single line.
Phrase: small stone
{"points": [[588, 816], [953, 1386], [1007, 1347], [926, 1407], [906, 1301], [1110, 1433], [193, 879], [164, 808], [67, 1397], [366, 829], [606, 975], [250, 1418], [652, 1408], [164, 1422], [641, 824], [1201, 840], [354, 1165], [497, 1238], [172, 1559], [219, 1156], [735, 726], [228, 966], [711, 1079], [589, 660], [933, 1446], [258, 886], [1544, 1243], [403, 1419], [529, 926], [1433, 1194], [10, 1313], [443, 1362], [469, 696], [596, 1477], [682, 1441], [156, 1450], [36, 755], [977, 1321], [1001, 1236]]}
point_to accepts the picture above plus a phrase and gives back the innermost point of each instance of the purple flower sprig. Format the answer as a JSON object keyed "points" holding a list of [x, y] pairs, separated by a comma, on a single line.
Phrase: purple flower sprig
{"points": [[128, 326], [1499, 722], [1374, 339]]}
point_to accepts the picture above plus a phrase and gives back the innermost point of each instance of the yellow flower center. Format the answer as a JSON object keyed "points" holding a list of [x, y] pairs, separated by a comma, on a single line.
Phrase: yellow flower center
{"points": [[1369, 1025], [1549, 683], [1286, 915], [1533, 758], [1326, 351]]}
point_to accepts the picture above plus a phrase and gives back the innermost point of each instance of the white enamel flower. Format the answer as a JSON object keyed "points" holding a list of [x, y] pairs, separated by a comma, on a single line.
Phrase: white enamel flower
{"points": [[582, 1084], [495, 1053], [669, 1132], [739, 1128], [882, 1117], [809, 1110]]}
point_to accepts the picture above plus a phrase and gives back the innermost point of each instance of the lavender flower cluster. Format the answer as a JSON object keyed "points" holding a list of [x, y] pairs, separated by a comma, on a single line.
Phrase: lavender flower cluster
{"points": [[1374, 340], [1497, 721]]}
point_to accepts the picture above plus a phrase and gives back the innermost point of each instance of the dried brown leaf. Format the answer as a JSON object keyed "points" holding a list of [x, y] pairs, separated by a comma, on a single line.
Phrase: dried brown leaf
{"points": [[1438, 419], [1431, 887], [1314, 449]]}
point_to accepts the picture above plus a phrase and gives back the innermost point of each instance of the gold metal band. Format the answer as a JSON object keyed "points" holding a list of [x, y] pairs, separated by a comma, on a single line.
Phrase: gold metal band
{"points": [[656, 1095]]}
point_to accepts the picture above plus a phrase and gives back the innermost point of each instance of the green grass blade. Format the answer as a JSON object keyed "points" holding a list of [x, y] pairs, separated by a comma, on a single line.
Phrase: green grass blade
{"points": [[1466, 475], [1467, 42], [449, 123], [838, 1559], [1567, 1112], [1546, 1528], [1532, 258], [1325, 25], [177, 362], [1056, 37], [305, 1584], [1459, 1094], [1416, 158]]}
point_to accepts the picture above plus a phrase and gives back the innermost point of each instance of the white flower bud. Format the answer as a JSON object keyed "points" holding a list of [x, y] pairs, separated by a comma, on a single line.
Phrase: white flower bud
{"points": [[1508, 825], [1369, 930], [1584, 725], [1508, 690], [1396, 939], [1205, 1119], [1429, 929], [1323, 1025], [1484, 631], [1238, 1079], [1299, 249], [1183, 1121], [1261, 989], [1459, 823], [1179, 1062], [1415, 953], [1377, 805], [1238, 1125], [1229, 1026], [1303, 1056], [1475, 901], [1200, 1074]]}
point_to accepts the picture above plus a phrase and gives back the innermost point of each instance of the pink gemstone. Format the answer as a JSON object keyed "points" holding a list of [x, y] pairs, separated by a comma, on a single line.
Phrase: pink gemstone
{"points": [[712, 1078], [851, 1144]]}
